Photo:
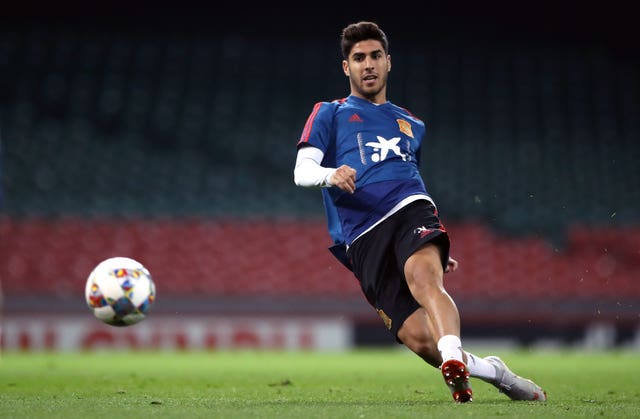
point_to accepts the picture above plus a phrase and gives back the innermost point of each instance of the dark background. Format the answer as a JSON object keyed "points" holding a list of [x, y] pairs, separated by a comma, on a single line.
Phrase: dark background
{"points": [[540, 21]]}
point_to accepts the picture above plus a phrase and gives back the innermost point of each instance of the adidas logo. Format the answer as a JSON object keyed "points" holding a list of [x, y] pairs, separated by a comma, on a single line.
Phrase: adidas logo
{"points": [[355, 118]]}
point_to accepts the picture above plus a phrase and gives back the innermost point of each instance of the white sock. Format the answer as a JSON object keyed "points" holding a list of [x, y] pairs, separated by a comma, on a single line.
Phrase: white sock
{"points": [[450, 347], [480, 368]]}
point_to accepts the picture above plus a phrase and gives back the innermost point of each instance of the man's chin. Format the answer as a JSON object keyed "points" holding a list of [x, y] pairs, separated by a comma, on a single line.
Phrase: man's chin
{"points": [[370, 93]]}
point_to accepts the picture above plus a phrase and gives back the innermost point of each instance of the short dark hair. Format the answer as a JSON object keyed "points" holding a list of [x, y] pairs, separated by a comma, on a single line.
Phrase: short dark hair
{"points": [[361, 31]]}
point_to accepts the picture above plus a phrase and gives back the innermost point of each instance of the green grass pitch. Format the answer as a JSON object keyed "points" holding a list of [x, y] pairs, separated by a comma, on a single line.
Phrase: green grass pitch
{"points": [[374, 383]]}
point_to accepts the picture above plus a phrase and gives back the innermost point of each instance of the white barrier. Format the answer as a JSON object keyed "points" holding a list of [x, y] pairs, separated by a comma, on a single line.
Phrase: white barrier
{"points": [[39, 332]]}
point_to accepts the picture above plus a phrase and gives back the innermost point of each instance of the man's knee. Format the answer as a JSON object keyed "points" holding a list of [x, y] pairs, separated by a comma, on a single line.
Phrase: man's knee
{"points": [[425, 265]]}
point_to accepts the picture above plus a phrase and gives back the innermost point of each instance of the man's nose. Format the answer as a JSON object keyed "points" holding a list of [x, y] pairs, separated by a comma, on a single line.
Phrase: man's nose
{"points": [[368, 62]]}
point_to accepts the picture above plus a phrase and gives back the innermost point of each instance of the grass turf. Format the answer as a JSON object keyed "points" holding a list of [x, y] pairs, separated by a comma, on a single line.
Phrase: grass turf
{"points": [[385, 383]]}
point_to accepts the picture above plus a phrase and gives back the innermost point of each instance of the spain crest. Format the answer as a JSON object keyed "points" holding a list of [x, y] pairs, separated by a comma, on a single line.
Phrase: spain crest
{"points": [[405, 127]]}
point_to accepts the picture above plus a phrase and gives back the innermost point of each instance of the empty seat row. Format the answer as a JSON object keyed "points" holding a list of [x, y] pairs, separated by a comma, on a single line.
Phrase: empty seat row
{"points": [[289, 257]]}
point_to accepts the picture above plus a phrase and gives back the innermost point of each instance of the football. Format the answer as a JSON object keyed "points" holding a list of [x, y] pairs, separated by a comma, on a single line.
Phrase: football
{"points": [[120, 291]]}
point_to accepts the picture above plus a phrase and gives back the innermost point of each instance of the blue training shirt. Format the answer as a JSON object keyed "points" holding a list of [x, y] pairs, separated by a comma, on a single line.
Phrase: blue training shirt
{"points": [[382, 143]]}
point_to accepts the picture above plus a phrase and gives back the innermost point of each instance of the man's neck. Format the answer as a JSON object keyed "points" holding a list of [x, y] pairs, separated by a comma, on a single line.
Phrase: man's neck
{"points": [[376, 100]]}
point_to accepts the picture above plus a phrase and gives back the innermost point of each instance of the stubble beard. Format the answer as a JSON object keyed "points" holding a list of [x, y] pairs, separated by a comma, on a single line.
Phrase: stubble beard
{"points": [[370, 94]]}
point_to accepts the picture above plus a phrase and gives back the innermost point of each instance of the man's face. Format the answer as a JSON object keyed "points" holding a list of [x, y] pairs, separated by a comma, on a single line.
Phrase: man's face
{"points": [[368, 68]]}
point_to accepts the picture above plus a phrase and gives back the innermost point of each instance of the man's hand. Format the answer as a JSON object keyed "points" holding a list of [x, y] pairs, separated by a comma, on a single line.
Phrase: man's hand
{"points": [[344, 178], [452, 265]]}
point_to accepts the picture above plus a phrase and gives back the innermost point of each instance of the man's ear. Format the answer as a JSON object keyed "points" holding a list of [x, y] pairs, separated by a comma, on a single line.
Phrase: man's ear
{"points": [[345, 67]]}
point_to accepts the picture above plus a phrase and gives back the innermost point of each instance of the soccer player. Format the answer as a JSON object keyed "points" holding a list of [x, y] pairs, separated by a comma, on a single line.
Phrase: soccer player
{"points": [[363, 152]]}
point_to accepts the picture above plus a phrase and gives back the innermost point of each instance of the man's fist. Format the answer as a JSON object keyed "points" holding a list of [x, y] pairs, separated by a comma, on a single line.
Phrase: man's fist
{"points": [[344, 178]]}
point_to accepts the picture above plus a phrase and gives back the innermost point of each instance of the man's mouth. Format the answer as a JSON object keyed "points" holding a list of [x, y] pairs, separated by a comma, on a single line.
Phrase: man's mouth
{"points": [[369, 80]]}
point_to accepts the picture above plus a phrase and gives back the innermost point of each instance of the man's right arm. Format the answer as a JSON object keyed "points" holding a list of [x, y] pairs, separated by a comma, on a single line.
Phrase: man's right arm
{"points": [[310, 173]]}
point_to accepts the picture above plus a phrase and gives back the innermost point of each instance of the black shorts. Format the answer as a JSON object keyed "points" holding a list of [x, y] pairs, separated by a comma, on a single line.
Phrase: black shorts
{"points": [[378, 259]]}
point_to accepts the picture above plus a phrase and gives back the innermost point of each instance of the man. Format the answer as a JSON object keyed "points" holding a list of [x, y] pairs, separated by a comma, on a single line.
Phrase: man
{"points": [[363, 152]]}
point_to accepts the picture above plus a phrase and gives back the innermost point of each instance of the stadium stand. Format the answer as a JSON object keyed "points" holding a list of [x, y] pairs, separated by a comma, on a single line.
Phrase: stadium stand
{"points": [[534, 135], [267, 266], [177, 148]]}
